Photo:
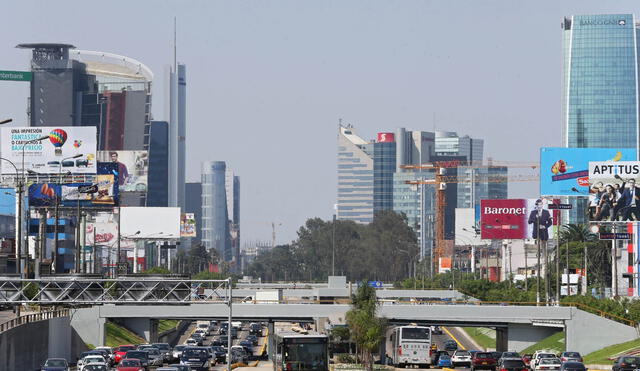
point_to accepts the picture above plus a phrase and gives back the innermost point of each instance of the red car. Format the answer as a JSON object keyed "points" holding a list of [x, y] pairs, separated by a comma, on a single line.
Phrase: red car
{"points": [[483, 361], [527, 359], [120, 351], [130, 365]]}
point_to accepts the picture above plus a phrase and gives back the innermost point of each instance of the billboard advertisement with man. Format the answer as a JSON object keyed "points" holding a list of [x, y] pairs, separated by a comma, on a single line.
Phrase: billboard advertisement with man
{"points": [[517, 219], [565, 171], [613, 191], [49, 150], [133, 167]]}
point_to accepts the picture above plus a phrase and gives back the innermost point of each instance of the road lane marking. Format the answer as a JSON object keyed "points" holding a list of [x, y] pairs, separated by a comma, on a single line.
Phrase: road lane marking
{"points": [[453, 337]]}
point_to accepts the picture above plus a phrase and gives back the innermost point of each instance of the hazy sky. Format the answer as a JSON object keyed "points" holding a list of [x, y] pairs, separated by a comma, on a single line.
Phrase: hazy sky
{"points": [[268, 80]]}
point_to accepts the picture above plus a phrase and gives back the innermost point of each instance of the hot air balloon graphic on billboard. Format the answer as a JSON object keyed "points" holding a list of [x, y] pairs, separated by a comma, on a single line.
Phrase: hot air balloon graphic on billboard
{"points": [[58, 138]]}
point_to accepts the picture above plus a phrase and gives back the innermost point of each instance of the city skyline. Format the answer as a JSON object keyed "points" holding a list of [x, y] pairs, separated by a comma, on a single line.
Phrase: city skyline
{"points": [[258, 87]]}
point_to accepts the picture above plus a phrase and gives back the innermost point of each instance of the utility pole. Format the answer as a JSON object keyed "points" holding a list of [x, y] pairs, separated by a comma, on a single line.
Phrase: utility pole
{"points": [[526, 269], [567, 265], [333, 254], [558, 274]]}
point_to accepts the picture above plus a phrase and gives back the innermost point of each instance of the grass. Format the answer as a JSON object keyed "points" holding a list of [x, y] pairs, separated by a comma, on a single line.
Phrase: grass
{"points": [[554, 342], [479, 335], [118, 335], [167, 324], [601, 357]]}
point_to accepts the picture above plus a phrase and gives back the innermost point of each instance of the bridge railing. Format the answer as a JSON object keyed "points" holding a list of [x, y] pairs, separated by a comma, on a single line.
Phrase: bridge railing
{"points": [[90, 291], [32, 317]]}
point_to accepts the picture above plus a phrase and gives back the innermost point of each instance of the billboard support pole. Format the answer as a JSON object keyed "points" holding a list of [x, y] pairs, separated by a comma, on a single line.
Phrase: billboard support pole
{"points": [[614, 262], [118, 247], [538, 266], [558, 274], [526, 269], [78, 266], [567, 265]]}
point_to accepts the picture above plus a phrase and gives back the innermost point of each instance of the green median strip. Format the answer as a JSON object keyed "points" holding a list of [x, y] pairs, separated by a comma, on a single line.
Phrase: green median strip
{"points": [[601, 357]]}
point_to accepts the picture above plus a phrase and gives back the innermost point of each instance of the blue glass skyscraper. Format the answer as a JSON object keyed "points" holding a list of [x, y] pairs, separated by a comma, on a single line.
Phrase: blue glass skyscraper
{"points": [[384, 166], [600, 97]]}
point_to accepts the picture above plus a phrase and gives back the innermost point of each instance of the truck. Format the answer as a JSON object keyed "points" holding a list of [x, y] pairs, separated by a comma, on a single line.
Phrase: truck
{"points": [[271, 296]]}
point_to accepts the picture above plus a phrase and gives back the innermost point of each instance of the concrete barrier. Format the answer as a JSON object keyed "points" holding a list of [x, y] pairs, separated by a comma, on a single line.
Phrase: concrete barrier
{"points": [[28, 345]]}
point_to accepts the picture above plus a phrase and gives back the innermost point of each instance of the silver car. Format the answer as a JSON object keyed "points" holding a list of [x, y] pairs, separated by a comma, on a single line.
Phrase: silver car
{"points": [[155, 357]]}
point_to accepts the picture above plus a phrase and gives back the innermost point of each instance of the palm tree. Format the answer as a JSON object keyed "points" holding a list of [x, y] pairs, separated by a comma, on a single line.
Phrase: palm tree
{"points": [[577, 233]]}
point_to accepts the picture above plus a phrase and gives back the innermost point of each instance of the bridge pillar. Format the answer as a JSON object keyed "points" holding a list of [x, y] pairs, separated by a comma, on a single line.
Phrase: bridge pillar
{"points": [[271, 346], [146, 328], [502, 339]]}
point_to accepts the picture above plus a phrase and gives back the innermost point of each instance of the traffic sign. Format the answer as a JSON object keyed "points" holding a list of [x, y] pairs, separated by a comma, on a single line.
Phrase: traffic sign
{"points": [[559, 206], [615, 236], [16, 75], [376, 284]]}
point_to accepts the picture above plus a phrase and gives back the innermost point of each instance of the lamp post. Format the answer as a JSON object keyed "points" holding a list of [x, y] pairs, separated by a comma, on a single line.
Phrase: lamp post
{"points": [[20, 191]]}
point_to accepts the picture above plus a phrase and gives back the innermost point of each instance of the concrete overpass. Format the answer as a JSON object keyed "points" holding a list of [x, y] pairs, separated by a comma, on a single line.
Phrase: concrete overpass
{"points": [[517, 326]]}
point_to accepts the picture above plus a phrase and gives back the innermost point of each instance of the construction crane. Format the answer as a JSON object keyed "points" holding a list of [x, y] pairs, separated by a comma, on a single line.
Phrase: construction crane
{"points": [[441, 180]]}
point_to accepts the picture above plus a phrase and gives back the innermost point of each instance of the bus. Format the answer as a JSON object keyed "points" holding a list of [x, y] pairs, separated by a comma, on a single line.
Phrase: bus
{"points": [[411, 346], [301, 352]]}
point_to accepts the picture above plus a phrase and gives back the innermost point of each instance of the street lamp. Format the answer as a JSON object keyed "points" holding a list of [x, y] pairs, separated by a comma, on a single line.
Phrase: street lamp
{"points": [[5, 121]]}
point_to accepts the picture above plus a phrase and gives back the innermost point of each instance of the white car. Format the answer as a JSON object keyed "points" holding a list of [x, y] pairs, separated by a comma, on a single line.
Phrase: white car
{"points": [[548, 364], [461, 358], [539, 354], [191, 342], [91, 360], [111, 355]]}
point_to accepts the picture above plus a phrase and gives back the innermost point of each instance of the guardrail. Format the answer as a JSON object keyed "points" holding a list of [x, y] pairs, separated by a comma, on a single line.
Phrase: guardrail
{"points": [[33, 317]]}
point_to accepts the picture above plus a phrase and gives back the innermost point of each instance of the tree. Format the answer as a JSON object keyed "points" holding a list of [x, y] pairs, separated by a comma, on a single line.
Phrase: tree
{"points": [[366, 328], [157, 270]]}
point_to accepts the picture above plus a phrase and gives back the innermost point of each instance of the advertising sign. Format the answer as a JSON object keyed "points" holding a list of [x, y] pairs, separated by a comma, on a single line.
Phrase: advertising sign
{"points": [[386, 137], [151, 223], [611, 190], [52, 155], [187, 225], [565, 171], [45, 194], [106, 233], [516, 218], [132, 168]]}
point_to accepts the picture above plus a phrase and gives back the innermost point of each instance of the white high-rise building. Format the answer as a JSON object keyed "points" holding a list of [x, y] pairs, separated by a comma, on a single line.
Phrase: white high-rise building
{"points": [[355, 177], [175, 106]]}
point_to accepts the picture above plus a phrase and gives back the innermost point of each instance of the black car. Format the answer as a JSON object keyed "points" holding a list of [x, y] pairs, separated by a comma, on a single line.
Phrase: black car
{"points": [[511, 364], [138, 354], [450, 345], [253, 339], [224, 340], [56, 364], [247, 344], [255, 329], [220, 353], [626, 363], [572, 366]]}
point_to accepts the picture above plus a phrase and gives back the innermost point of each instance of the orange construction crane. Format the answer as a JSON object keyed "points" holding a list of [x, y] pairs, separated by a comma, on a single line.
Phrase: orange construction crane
{"points": [[442, 180]]}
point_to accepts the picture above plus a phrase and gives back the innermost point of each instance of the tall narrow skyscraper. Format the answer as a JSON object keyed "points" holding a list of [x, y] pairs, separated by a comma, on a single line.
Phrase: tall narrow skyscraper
{"points": [[355, 176], [215, 217], [175, 111]]}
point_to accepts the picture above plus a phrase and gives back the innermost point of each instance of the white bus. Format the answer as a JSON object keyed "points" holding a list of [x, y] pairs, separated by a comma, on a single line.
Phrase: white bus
{"points": [[411, 346]]}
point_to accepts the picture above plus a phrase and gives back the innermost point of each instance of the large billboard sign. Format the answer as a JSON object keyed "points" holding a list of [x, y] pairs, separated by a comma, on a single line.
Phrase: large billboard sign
{"points": [[74, 194], [150, 223], [51, 155], [565, 171], [613, 193], [133, 167], [515, 219]]}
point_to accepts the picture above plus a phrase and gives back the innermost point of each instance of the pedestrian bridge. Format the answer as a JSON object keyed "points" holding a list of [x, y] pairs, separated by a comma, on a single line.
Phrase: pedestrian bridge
{"points": [[517, 326]]}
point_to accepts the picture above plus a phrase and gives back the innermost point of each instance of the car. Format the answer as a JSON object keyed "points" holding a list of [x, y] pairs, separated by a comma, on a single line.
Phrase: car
{"points": [[548, 364], [139, 354], [220, 354], [238, 354], [538, 355], [255, 329], [155, 357], [497, 355], [483, 361], [91, 359], [165, 350], [177, 351], [626, 363], [181, 367], [216, 341], [436, 330], [510, 355], [511, 364], [461, 358], [526, 358], [109, 352], [96, 367], [450, 345], [106, 353], [570, 357], [127, 364], [195, 357], [192, 342], [253, 339], [55, 364], [573, 366], [168, 368], [247, 344], [435, 356], [119, 352], [444, 361]]}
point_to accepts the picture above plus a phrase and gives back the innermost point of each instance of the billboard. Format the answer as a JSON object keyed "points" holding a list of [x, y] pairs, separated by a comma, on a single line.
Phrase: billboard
{"points": [[52, 155], [150, 222], [132, 168], [187, 225], [74, 194], [565, 171], [106, 233], [386, 137], [515, 219], [612, 190]]}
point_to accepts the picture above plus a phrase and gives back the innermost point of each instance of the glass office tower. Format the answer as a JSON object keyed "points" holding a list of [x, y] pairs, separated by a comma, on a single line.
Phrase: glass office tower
{"points": [[600, 86], [355, 177], [384, 166]]}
